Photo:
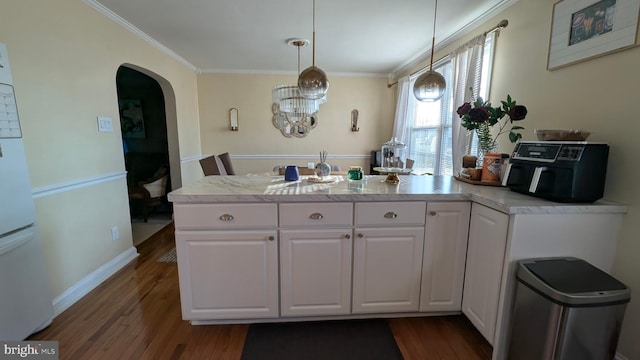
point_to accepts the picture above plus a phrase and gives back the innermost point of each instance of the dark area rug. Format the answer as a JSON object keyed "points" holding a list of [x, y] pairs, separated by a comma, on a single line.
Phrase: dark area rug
{"points": [[368, 339]]}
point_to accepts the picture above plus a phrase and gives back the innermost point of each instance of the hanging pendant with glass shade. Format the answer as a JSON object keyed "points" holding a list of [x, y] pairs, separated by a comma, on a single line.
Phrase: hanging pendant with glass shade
{"points": [[430, 86], [293, 114], [312, 81]]}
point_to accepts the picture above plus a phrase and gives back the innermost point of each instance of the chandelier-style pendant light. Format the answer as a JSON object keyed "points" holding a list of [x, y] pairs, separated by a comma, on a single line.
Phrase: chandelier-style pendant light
{"points": [[293, 114], [313, 82], [289, 98], [430, 86]]}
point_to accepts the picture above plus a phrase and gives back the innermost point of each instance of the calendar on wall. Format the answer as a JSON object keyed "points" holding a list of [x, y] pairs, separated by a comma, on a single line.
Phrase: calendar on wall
{"points": [[9, 121]]}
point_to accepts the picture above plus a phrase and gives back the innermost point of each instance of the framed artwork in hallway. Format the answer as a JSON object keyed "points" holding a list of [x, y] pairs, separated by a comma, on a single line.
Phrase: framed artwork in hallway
{"points": [[131, 119]]}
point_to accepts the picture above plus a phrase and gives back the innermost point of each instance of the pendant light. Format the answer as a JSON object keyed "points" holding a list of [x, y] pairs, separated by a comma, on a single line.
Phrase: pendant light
{"points": [[313, 82], [289, 97], [430, 86], [293, 114]]}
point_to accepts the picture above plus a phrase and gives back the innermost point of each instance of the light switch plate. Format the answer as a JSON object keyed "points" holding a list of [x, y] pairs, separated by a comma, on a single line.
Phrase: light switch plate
{"points": [[105, 124]]}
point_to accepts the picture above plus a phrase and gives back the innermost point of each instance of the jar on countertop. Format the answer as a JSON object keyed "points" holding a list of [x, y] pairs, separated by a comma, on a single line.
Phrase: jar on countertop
{"points": [[355, 173], [291, 173]]}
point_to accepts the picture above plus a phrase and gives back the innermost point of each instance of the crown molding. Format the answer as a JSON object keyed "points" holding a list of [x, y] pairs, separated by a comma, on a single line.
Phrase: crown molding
{"points": [[419, 58], [127, 25], [403, 68], [288, 73]]}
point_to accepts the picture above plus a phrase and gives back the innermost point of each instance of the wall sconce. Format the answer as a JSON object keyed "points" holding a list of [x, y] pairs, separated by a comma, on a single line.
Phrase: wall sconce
{"points": [[233, 119], [354, 120]]}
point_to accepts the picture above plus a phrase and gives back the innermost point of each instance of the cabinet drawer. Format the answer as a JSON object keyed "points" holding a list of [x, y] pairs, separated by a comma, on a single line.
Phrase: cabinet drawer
{"points": [[314, 214], [390, 213], [209, 216]]}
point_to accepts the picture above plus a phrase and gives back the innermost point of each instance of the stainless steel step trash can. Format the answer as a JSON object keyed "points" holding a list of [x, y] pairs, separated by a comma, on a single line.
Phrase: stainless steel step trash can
{"points": [[566, 309]]}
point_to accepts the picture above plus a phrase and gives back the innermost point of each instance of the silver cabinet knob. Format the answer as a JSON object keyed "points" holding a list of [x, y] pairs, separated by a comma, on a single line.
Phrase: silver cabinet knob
{"points": [[390, 215], [271, 238], [316, 216], [360, 235], [432, 213], [347, 236], [226, 217]]}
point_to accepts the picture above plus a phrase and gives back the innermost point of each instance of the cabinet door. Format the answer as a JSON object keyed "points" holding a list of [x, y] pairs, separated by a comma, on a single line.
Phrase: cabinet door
{"points": [[445, 252], [386, 269], [228, 274], [483, 274], [315, 272]]}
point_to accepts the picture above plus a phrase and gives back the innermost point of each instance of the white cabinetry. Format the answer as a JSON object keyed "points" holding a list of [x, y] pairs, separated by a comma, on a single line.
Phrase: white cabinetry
{"points": [[387, 258], [483, 274], [588, 236], [227, 260], [445, 251], [315, 262], [497, 241]]}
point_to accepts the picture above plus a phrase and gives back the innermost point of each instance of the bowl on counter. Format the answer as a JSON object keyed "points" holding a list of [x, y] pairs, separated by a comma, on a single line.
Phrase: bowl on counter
{"points": [[561, 135]]}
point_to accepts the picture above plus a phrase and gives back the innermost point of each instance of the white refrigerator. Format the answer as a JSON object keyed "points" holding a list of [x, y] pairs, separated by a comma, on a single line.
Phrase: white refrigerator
{"points": [[25, 296]]}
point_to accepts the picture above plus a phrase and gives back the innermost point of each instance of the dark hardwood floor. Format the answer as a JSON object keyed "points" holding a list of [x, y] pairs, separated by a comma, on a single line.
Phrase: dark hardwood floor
{"points": [[136, 315]]}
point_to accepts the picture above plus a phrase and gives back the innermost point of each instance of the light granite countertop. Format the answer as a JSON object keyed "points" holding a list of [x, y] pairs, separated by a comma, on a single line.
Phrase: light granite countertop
{"points": [[273, 188]]}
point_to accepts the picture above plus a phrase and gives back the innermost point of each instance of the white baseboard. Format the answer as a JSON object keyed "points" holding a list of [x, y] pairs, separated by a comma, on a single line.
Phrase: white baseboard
{"points": [[91, 281]]}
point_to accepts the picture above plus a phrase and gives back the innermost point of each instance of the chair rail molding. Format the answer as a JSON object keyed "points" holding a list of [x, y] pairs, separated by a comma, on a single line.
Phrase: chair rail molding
{"points": [[277, 156], [297, 156], [58, 188]]}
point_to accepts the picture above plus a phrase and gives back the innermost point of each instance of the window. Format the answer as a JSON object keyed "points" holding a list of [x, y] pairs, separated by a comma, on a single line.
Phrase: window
{"points": [[429, 137], [429, 140]]}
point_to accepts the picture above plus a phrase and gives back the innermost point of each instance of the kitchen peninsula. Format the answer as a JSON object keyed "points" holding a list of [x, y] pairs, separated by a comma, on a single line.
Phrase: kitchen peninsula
{"points": [[258, 248]]}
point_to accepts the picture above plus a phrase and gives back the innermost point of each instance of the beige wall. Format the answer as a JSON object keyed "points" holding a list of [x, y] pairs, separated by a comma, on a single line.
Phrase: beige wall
{"points": [[598, 95], [257, 137], [64, 57]]}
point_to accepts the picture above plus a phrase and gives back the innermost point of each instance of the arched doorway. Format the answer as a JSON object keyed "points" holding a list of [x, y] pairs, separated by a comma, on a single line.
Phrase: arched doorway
{"points": [[149, 137]]}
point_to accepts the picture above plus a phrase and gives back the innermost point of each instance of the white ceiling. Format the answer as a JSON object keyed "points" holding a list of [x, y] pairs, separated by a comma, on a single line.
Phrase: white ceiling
{"points": [[249, 36]]}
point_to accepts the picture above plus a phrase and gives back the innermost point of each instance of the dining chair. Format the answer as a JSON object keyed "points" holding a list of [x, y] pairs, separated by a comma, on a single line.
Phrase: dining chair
{"points": [[150, 193], [217, 165], [226, 160]]}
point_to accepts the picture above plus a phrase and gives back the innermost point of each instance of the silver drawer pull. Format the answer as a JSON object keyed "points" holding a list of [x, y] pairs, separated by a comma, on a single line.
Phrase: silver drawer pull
{"points": [[316, 216], [226, 217], [390, 215]]}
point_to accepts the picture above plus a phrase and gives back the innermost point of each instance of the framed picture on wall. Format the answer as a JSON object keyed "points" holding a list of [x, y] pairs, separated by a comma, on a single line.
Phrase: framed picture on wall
{"points": [[131, 119], [584, 29]]}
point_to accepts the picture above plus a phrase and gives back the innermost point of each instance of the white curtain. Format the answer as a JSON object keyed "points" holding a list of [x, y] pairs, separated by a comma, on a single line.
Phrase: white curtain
{"points": [[466, 64], [400, 124]]}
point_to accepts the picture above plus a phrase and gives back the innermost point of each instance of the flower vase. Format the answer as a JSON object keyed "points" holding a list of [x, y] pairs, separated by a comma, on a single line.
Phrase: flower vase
{"points": [[291, 173], [323, 169], [486, 142]]}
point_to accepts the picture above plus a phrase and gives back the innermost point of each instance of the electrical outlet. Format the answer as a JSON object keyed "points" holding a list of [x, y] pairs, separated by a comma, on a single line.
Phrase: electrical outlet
{"points": [[105, 124], [115, 234]]}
